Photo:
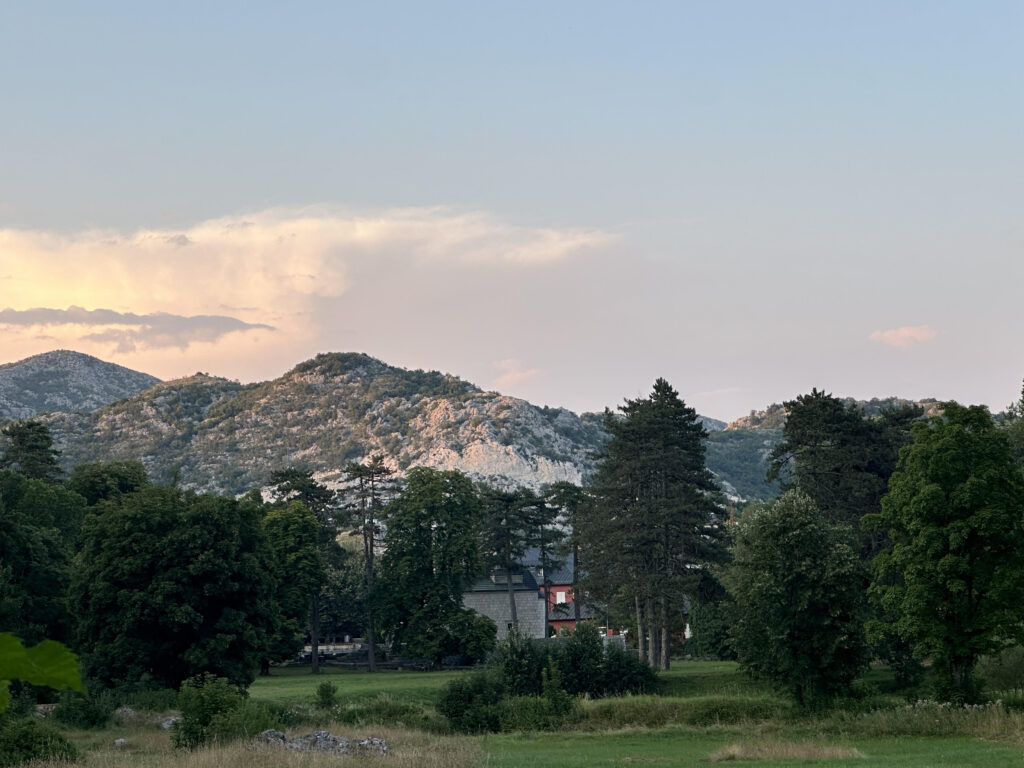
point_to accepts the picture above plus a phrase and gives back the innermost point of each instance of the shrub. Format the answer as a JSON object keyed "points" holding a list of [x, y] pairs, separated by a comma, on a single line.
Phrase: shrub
{"points": [[84, 711], [202, 699], [710, 625], [520, 662], [1004, 671], [470, 704], [29, 739], [247, 720], [326, 695], [581, 661], [625, 672]]}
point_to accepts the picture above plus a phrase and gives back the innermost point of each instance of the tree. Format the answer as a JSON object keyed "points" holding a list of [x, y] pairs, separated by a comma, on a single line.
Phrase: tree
{"points": [[569, 499], [292, 533], [40, 525], [800, 602], [370, 484], [653, 525], [840, 458], [433, 529], [547, 537], [105, 480], [506, 534], [298, 484], [170, 584], [30, 450], [952, 576]]}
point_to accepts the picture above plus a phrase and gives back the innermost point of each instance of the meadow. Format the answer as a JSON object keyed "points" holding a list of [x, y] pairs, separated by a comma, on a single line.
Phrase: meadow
{"points": [[704, 713]]}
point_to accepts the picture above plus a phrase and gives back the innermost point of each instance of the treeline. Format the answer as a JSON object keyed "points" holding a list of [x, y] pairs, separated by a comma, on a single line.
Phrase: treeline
{"points": [[899, 538]]}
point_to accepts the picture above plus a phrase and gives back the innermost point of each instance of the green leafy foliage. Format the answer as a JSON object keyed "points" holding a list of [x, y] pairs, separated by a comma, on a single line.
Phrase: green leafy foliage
{"points": [[202, 700], [105, 480], [30, 739], [432, 554], [29, 450], [951, 580], [800, 602], [170, 584], [49, 663], [78, 710], [326, 695]]}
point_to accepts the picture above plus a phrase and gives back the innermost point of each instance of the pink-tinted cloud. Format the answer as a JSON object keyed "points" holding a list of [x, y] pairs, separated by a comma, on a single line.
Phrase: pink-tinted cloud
{"points": [[513, 372], [905, 335]]}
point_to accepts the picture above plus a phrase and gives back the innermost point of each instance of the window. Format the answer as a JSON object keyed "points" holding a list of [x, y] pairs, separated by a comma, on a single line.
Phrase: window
{"points": [[560, 597]]}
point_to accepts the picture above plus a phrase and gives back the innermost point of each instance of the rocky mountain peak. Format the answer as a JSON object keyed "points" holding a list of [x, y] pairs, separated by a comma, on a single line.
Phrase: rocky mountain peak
{"points": [[64, 380]]}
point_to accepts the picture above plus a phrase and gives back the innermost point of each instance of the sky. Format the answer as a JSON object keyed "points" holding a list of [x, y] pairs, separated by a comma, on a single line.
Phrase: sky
{"points": [[561, 201]]}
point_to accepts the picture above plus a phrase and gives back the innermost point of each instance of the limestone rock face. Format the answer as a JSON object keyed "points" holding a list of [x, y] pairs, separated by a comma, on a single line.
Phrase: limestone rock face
{"points": [[65, 381], [220, 436]]}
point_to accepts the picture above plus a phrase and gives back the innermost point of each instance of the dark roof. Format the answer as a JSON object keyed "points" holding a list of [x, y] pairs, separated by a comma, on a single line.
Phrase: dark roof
{"points": [[560, 573], [565, 612], [489, 584]]}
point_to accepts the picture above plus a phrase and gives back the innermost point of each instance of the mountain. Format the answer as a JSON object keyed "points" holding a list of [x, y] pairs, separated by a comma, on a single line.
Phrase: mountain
{"points": [[65, 381], [218, 435]]}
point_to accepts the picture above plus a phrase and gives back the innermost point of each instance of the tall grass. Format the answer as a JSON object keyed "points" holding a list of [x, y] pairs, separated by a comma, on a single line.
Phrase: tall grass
{"points": [[409, 749], [658, 711]]}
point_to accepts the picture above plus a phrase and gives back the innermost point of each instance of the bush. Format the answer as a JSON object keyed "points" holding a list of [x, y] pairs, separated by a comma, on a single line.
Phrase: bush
{"points": [[625, 672], [202, 699], [581, 661], [84, 711], [29, 739], [471, 703], [326, 695], [247, 720], [520, 662], [709, 623], [1004, 671]]}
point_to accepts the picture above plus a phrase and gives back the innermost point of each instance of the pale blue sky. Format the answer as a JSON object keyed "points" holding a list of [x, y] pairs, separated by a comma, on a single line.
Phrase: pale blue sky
{"points": [[742, 193]]}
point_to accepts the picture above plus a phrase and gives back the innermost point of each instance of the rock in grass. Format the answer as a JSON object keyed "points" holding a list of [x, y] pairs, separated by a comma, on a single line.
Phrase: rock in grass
{"points": [[322, 741]]}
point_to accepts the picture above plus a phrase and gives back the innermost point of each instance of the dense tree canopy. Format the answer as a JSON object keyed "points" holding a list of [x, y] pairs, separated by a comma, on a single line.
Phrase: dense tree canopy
{"points": [[29, 450], [433, 554], [170, 584], [839, 457], [800, 601], [952, 576]]}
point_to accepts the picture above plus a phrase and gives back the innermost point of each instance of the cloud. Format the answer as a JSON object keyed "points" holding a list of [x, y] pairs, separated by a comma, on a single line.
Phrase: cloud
{"points": [[279, 266], [905, 336], [127, 331], [513, 372]]}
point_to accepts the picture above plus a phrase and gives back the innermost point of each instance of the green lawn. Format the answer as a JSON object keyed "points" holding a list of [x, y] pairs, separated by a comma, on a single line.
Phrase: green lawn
{"points": [[688, 747], [703, 708], [296, 684]]}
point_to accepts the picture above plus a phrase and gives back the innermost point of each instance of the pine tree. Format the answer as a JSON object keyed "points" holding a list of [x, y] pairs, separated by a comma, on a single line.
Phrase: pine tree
{"points": [[370, 488], [653, 525]]}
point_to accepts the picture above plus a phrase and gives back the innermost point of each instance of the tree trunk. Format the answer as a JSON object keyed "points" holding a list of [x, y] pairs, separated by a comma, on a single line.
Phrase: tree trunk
{"points": [[641, 646], [314, 633], [575, 592], [264, 667], [666, 641], [371, 640], [512, 600], [653, 651]]}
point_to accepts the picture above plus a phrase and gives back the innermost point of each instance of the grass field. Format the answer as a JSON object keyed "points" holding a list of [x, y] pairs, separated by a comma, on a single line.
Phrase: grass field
{"points": [[706, 713]]}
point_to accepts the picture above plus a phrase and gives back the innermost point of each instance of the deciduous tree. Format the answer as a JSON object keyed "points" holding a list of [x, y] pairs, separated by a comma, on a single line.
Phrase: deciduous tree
{"points": [[952, 576], [800, 601]]}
